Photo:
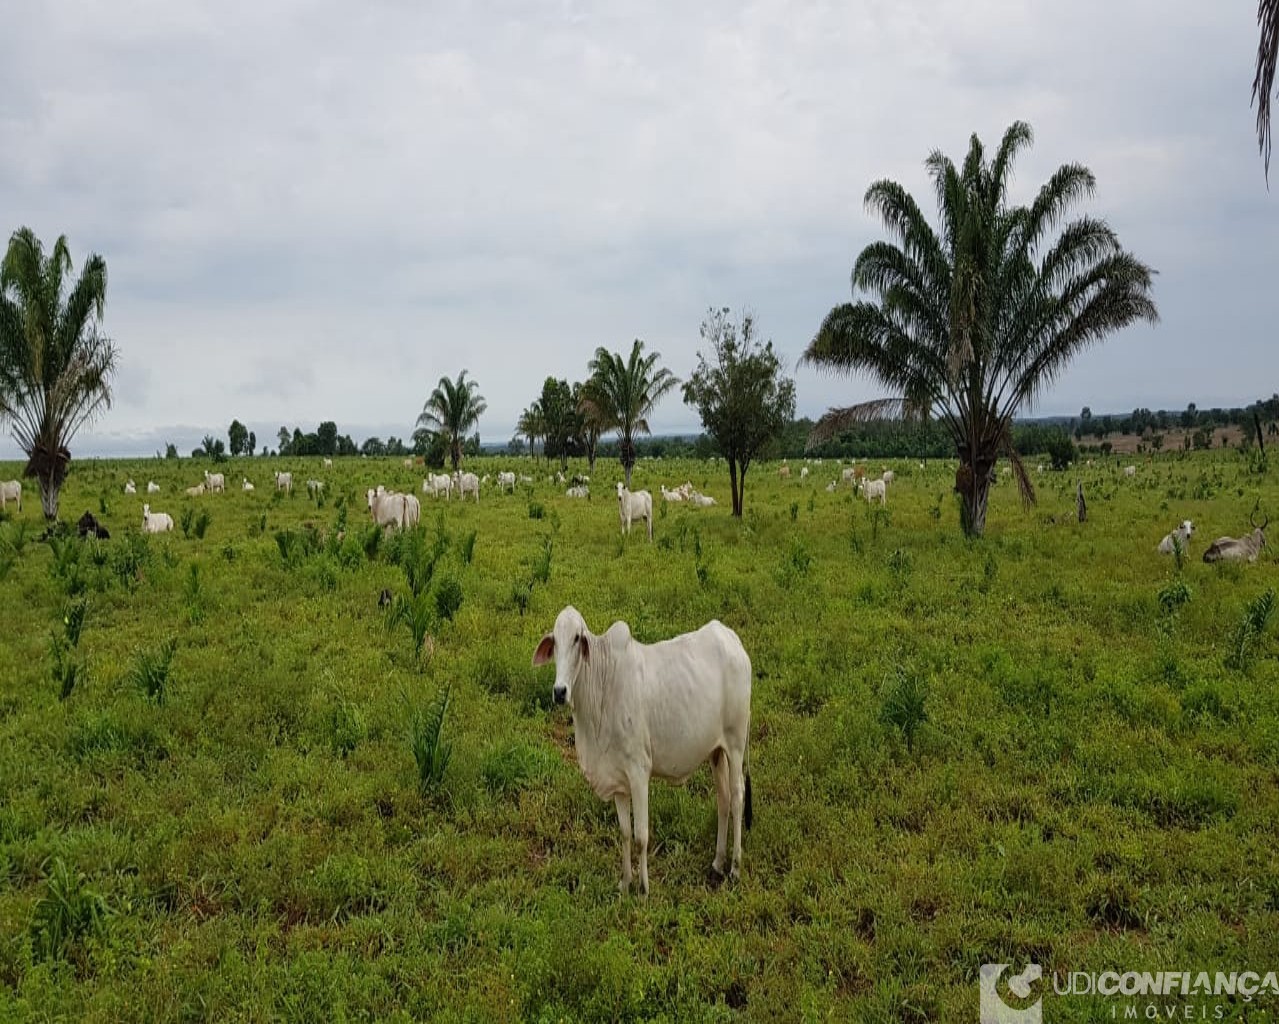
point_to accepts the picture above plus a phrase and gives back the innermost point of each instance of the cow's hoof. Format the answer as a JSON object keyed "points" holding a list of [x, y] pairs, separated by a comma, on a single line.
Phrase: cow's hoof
{"points": [[715, 876]]}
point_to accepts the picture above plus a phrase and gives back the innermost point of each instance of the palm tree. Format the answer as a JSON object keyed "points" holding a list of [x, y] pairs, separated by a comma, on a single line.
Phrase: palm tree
{"points": [[626, 391], [1264, 81], [453, 408], [532, 424], [55, 366], [973, 323], [594, 423]]}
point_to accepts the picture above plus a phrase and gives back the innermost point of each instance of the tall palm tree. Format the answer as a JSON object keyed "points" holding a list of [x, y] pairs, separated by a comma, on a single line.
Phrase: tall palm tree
{"points": [[532, 424], [590, 408], [627, 391], [972, 322], [453, 409], [55, 366], [1264, 82]]}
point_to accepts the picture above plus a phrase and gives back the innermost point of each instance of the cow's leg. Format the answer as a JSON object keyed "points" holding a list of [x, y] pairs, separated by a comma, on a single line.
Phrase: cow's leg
{"points": [[623, 805], [723, 800], [738, 784], [639, 801]]}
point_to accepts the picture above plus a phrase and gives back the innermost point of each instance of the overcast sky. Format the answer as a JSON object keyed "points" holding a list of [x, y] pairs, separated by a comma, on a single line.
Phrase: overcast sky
{"points": [[314, 210]]}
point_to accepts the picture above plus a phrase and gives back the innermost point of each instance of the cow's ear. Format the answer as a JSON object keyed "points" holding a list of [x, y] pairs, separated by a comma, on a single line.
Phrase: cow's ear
{"points": [[584, 645], [545, 650]]}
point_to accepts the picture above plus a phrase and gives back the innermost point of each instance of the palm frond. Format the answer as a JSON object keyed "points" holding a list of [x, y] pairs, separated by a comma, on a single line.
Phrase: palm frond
{"points": [[1264, 81], [836, 421]]}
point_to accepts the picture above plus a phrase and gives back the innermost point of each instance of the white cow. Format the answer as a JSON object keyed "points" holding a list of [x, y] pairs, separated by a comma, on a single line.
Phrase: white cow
{"points": [[214, 482], [872, 489], [803, 473], [634, 505], [645, 710], [156, 522], [328, 463], [314, 487], [438, 483], [1239, 549], [196, 491], [284, 481], [412, 510], [1130, 471], [467, 483], [153, 487], [246, 485], [130, 487], [847, 473], [888, 476], [578, 491], [408, 463], [701, 500], [830, 487], [671, 495], [1181, 535], [505, 481], [391, 509], [11, 490]]}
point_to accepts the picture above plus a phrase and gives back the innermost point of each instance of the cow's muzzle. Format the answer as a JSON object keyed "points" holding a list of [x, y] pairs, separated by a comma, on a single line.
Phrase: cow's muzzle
{"points": [[560, 694]]}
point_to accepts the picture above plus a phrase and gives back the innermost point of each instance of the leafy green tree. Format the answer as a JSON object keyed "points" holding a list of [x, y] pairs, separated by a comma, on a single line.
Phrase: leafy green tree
{"points": [[326, 438], [372, 447], [210, 448], [970, 323], [285, 442], [55, 365], [453, 408], [252, 447], [238, 436], [740, 393], [561, 421], [431, 446], [627, 390], [170, 451]]}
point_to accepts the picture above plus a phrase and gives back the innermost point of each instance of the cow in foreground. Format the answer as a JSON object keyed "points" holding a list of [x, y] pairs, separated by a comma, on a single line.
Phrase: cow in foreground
{"points": [[11, 490], [1239, 549], [1181, 535], [634, 505], [645, 710]]}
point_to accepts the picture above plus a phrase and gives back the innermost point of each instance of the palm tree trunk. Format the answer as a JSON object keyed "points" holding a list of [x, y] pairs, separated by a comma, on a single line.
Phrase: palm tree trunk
{"points": [[455, 455], [973, 488], [626, 450], [49, 491]]}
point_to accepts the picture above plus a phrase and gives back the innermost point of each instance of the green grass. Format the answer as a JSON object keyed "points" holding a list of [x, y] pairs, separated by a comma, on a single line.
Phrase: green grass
{"points": [[1049, 745]]}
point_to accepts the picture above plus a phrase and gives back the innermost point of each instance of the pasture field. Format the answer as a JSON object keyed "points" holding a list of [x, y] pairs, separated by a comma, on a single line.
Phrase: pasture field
{"points": [[1049, 745]]}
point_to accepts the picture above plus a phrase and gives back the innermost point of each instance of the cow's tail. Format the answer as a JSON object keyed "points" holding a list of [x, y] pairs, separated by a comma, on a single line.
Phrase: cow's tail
{"points": [[746, 767]]}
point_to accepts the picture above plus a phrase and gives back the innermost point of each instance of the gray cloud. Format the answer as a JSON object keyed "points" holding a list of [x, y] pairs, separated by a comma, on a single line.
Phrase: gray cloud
{"points": [[313, 211]]}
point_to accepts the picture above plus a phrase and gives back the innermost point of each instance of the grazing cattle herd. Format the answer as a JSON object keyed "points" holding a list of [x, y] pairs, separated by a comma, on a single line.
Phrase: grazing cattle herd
{"points": [[643, 711], [394, 510]]}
